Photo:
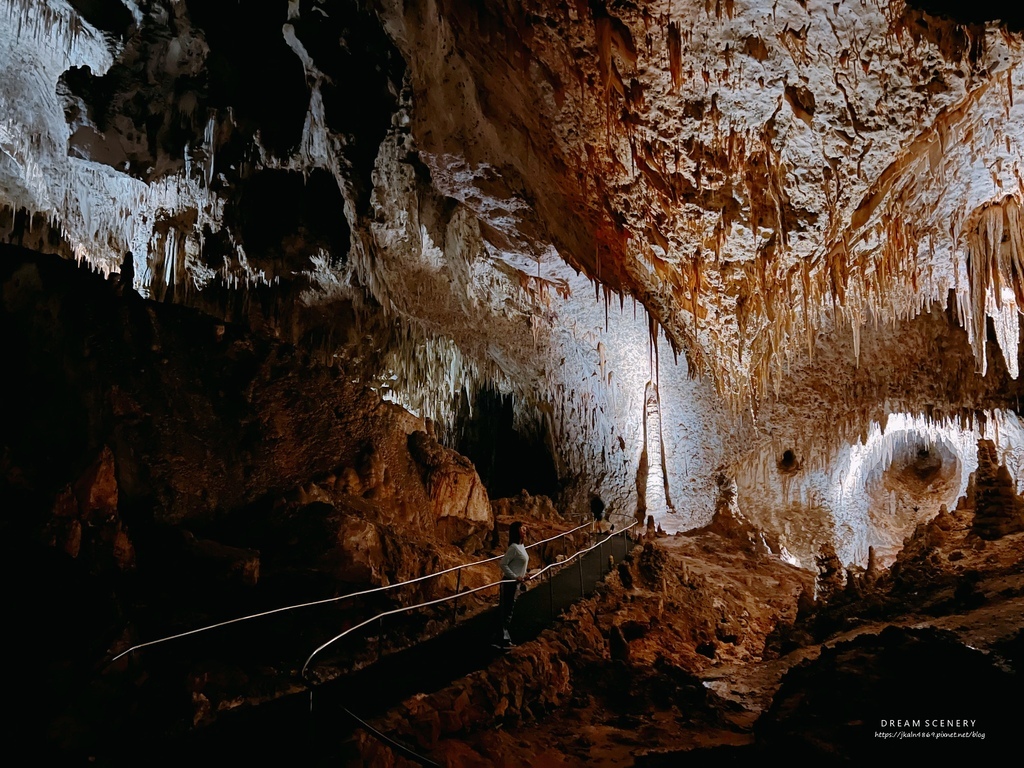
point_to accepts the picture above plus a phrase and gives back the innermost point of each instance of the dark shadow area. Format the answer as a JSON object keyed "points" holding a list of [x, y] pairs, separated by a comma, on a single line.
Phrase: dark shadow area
{"points": [[284, 217], [978, 12], [507, 460], [364, 73], [110, 16], [252, 70]]}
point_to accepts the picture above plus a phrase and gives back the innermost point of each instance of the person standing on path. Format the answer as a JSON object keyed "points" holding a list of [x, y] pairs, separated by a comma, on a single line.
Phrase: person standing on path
{"points": [[513, 566]]}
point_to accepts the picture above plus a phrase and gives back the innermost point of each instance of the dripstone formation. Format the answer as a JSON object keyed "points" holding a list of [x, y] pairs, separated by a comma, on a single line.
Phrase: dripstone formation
{"points": [[307, 299]]}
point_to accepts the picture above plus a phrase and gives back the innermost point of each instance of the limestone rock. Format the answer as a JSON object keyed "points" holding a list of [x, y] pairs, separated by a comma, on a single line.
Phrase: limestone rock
{"points": [[618, 646], [730, 523], [998, 508], [358, 555], [221, 562], [335, 546], [85, 520], [462, 510], [96, 489], [821, 705], [527, 506]]}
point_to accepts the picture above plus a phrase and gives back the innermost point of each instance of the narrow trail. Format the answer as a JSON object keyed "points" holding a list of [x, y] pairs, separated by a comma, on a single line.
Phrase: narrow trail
{"points": [[312, 726]]}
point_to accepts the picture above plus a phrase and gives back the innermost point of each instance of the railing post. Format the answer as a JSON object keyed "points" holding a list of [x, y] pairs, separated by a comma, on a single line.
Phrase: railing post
{"points": [[579, 562], [380, 638], [455, 603], [551, 598]]}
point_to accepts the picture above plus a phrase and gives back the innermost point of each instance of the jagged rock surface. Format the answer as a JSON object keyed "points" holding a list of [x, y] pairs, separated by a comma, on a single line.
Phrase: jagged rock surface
{"points": [[776, 194], [750, 272]]}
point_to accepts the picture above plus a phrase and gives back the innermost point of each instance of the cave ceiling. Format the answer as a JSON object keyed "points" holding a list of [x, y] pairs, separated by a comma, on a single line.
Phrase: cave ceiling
{"points": [[761, 217]]}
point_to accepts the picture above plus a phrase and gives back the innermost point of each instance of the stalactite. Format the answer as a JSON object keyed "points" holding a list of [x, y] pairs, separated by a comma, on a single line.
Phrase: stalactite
{"points": [[995, 278]]}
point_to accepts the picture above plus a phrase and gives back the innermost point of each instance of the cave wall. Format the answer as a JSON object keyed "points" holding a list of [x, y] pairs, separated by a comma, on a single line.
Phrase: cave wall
{"points": [[202, 420], [573, 204]]}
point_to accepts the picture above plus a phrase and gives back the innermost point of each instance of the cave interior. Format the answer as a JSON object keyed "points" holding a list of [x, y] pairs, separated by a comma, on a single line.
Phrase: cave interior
{"points": [[306, 302]]}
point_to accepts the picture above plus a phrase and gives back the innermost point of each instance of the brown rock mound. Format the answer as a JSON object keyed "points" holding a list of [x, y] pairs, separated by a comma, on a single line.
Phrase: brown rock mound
{"points": [[998, 509]]}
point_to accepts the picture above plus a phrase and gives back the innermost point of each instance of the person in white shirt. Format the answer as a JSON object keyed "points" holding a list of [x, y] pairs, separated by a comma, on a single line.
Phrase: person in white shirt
{"points": [[514, 566]]}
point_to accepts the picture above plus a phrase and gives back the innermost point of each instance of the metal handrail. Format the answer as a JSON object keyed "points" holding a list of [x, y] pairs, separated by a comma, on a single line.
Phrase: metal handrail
{"points": [[588, 549], [457, 595], [326, 600], [395, 745]]}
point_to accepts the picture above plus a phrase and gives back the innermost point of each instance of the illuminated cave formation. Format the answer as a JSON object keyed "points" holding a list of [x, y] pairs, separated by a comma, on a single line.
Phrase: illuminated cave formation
{"points": [[922, 477], [312, 295]]}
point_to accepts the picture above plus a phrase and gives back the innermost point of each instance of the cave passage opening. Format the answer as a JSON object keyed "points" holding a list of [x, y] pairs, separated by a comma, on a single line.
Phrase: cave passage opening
{"points": [[508, 458]]}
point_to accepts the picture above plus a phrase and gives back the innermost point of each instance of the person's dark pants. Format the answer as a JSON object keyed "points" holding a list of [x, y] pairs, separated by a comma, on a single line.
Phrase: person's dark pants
{"points": [[509, 590]]}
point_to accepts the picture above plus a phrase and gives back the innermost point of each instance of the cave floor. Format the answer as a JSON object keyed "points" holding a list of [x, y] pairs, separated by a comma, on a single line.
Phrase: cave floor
{"points": [[716, 615]]}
